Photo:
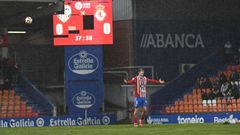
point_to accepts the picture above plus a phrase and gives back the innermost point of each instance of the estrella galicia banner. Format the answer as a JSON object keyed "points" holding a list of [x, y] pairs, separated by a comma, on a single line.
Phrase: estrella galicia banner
{"points": [[84, 80], [86, 97], [194, 118], [83, 62], [57, 121]]}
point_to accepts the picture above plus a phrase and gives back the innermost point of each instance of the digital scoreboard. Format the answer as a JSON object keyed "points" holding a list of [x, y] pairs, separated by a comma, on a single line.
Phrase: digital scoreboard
{"points": [[84, 22]]}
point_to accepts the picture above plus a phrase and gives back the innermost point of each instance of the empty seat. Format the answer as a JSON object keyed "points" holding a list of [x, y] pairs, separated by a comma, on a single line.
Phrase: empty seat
{"points": [[168, 109], [234, 107], [191, 110], [229, 108], [176, 108], [172, 109]]}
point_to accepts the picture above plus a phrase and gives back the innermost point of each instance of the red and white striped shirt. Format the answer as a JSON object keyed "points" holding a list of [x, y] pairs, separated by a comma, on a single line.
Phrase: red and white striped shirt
{"points": [[140, 83]]}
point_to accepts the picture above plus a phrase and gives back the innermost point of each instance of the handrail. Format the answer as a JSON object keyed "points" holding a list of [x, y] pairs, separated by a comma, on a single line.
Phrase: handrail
{"points": [[36, 95]]}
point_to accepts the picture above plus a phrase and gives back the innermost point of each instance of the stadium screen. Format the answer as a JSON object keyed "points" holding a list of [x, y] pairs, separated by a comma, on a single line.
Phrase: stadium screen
{"points": [[84, 23]]}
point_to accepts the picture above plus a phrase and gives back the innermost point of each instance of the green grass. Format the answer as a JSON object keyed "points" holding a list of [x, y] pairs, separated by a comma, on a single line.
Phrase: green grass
{"points": [[197, 129]]}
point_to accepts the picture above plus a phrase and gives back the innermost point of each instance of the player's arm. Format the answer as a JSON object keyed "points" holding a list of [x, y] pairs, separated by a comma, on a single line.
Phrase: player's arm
{"points": [[133, 80], [155, 81]]}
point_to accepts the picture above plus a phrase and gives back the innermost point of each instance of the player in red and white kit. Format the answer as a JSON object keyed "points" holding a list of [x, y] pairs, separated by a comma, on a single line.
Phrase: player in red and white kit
{"points": [[140, 101]]}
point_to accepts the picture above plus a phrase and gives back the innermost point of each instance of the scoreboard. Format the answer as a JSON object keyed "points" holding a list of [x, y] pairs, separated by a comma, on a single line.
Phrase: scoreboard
{"points": [[84, 22]]}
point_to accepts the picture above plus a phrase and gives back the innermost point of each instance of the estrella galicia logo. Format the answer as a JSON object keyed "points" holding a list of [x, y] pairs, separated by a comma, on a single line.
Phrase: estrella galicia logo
{"points": [[84, 100], [83, 63]]}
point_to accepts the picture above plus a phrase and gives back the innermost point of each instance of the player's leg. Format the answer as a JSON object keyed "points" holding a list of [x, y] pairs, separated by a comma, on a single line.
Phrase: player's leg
{"points": [[143, 114], [136, 109], [135, 119]]}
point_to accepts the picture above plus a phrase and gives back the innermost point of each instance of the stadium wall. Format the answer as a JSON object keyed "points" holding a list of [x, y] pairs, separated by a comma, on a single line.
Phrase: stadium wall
{"points": [[168, 44], [197, 10], [183, 83]]}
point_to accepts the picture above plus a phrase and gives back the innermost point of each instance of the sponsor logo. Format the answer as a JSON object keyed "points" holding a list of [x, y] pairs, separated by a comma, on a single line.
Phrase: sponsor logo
{"points": [[84, 100], [3, 124], [13, 123], [190, 120], [100, 14], [55, 121], [157, 120], [160, 40], [62, 122], [86, 5], [229, 119], [105, 120], [83, 63], [78, 5], [79, 121], [67, 14], [88, 121], [40, 122]]}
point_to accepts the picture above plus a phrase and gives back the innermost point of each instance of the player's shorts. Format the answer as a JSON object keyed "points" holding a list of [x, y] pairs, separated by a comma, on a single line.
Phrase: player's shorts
{"points": [[140, 102]]}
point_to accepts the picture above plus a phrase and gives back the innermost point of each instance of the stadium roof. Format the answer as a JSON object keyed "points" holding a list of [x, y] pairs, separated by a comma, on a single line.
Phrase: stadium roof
{"points": [[13, 12]]}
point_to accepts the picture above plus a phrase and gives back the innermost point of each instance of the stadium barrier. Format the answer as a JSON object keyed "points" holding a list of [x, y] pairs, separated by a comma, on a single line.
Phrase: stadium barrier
{"points": [[193, 118], [57, 121]]}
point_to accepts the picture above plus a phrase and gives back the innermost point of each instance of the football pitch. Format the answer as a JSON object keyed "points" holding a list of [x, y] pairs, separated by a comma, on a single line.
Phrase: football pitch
{"points": [[194, 129]]}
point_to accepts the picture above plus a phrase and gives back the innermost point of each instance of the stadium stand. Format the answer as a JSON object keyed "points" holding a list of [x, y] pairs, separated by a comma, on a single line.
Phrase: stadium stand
{"points": [[195, 102], [18, 96], [13, 106]]}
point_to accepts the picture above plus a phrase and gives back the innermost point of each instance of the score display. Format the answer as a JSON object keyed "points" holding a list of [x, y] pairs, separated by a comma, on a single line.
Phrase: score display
{"points": [[85, 22]]}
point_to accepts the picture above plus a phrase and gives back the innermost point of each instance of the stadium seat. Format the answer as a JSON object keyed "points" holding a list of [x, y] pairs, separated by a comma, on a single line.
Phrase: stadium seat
{"points": [[219, 107], [10, 108], [181, 109], [204, 102], [238, 101], [5, 93], [234, 107], [205, 109], [191, 110], [22, 114], [194, 92], [190, 102], [214, 102], [233, 101], [219, 101], [9, 115], [200, 108], [176, 102], [34, 114], [238, 107], [209, 102], [168, 109], [224, 102], [224, 107], [11, 93], [198, 91], [3, 115], [4, 103], [215, 109], [186, 108], [195, 108], [172, 109], [229, 108], [16, 114], [176, 108]]}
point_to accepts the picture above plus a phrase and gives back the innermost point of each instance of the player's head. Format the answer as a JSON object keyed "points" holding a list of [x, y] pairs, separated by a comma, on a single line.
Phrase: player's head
{"points": [[141, 72]]}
